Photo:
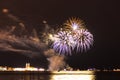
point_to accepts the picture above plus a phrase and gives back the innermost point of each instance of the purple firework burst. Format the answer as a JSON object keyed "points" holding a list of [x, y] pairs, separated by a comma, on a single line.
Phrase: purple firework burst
{"points": [[83, 40], [63, 42], [74, 37]]}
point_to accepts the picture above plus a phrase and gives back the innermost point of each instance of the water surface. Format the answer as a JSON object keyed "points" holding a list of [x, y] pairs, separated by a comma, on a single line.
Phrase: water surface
{"points": [[62, 75]]}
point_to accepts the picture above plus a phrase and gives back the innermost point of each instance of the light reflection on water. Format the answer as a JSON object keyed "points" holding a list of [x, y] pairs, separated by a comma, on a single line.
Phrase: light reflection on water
{"points": [[62, 75], [89, 75], [73, 77]]}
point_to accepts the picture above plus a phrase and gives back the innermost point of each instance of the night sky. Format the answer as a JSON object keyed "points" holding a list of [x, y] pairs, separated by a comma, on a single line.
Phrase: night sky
{"points": [[100, 16]]}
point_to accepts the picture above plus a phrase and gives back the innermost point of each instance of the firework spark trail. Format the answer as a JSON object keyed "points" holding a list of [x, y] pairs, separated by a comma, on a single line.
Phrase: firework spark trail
{"points": [[14, 18], [24, 45], [30, 46]]}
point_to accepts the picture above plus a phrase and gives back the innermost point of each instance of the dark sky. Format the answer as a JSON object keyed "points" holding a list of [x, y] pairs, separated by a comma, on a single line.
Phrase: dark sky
{"points": [[100, 16]]}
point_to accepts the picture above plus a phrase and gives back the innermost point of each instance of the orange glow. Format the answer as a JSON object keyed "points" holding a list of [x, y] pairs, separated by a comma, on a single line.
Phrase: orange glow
{"points": [[5, 10]]}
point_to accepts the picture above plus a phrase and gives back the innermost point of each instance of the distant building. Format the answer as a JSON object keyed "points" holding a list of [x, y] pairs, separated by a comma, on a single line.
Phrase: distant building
{"points": [[26, 68], [27, 65]]}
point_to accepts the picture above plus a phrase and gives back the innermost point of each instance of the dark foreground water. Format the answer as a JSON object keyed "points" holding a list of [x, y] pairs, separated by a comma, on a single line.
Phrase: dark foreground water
{"points": [[62, 75]]}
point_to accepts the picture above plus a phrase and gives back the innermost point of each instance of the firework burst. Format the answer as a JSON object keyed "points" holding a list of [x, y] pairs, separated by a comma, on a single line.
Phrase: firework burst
{"points": [[73, 37], [73, 24], [83, 40], [63, 42]]}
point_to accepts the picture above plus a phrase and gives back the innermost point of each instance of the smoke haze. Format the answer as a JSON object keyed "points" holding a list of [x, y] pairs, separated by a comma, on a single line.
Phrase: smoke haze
{"points": [[29, 44]]}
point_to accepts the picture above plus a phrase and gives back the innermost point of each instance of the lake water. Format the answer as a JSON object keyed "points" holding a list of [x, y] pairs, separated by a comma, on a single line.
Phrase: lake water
{"points": [[62, 75]]}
